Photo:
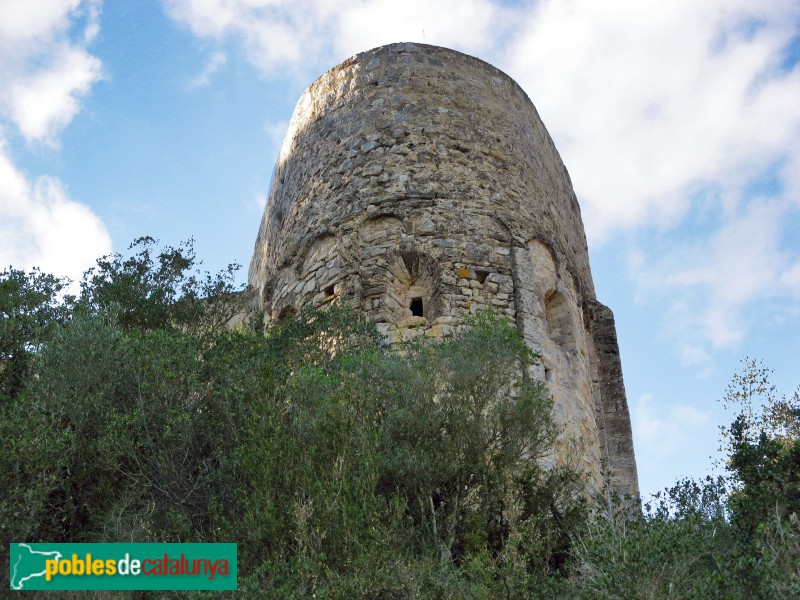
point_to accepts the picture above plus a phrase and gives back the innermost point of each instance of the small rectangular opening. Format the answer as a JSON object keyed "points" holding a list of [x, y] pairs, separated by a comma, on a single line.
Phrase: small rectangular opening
{"points": [[416, 307], [329, 291]]}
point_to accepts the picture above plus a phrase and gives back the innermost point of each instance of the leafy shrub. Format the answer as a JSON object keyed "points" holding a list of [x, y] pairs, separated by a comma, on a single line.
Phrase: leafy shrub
{"points": [[341, 469]]}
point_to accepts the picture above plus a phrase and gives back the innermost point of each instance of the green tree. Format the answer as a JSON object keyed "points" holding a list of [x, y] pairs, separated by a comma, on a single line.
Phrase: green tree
{"points": [[679, 548], [463, 430], [154, 288], [763, 447], [408, 468], [31, 308], [117, 401], [342, 469], [732, 537]]}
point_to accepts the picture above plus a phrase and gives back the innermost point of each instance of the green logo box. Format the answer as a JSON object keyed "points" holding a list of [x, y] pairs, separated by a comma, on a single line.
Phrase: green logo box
{"points": [[122, 566]]}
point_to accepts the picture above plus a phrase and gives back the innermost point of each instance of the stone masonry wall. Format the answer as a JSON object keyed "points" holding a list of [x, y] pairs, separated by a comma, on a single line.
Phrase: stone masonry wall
{"points": [[420, 185]]}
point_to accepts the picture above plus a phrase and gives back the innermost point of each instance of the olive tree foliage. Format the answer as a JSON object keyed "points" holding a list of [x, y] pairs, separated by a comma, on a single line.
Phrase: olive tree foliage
{"points": [[31, 308], [411, 468], [672, 551], [160, 288], [115, 404], [734, 536], [762, 446], [340, 468], [462, 425]]}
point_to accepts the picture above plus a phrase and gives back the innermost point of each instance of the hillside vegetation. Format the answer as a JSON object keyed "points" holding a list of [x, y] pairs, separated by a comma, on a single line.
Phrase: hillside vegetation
{"points": [[133, 413]]}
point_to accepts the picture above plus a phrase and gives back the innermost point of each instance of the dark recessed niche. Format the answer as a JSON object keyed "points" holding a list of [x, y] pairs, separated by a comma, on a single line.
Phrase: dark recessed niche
{"points": [[481, 276], [329, 291], [287, 313], [416, 307]]}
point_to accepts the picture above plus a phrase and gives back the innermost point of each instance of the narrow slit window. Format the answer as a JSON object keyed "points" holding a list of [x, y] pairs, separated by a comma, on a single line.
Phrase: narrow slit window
{"points": [[416, 307]]}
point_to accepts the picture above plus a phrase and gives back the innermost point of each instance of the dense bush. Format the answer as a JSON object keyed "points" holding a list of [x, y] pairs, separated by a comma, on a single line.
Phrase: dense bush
{"points": [[341, 469], [132, 412], [736, 536], [31, 311]]}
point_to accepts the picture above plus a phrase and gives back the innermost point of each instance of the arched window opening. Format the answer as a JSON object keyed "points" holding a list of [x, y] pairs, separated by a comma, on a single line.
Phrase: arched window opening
{"points": [[413, 289], [559, 319], [417, 307]]}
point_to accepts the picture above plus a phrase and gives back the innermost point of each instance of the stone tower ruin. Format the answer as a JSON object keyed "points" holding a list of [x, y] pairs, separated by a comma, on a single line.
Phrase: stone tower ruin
{"points": [[420, 185]]}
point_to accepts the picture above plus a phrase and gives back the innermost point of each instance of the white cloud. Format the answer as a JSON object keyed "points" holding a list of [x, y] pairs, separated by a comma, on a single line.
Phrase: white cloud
{"points": [[215, 62], [24, 24], [665, 113], [45, 73], [270, 31], [790, 279], [44, 102], [475, 26], [790, 177], [692, 355], [719, 287], [46, 69], [650, 101], [301, 37], [667, 430], [40, 226]]}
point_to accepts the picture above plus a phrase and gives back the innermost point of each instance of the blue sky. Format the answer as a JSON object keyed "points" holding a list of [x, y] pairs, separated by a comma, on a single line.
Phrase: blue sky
{"points": [[679, 123]]}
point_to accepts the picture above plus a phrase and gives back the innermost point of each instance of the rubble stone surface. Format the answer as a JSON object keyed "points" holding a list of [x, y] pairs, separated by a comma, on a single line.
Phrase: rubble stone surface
{"points": [[420, 185]]}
